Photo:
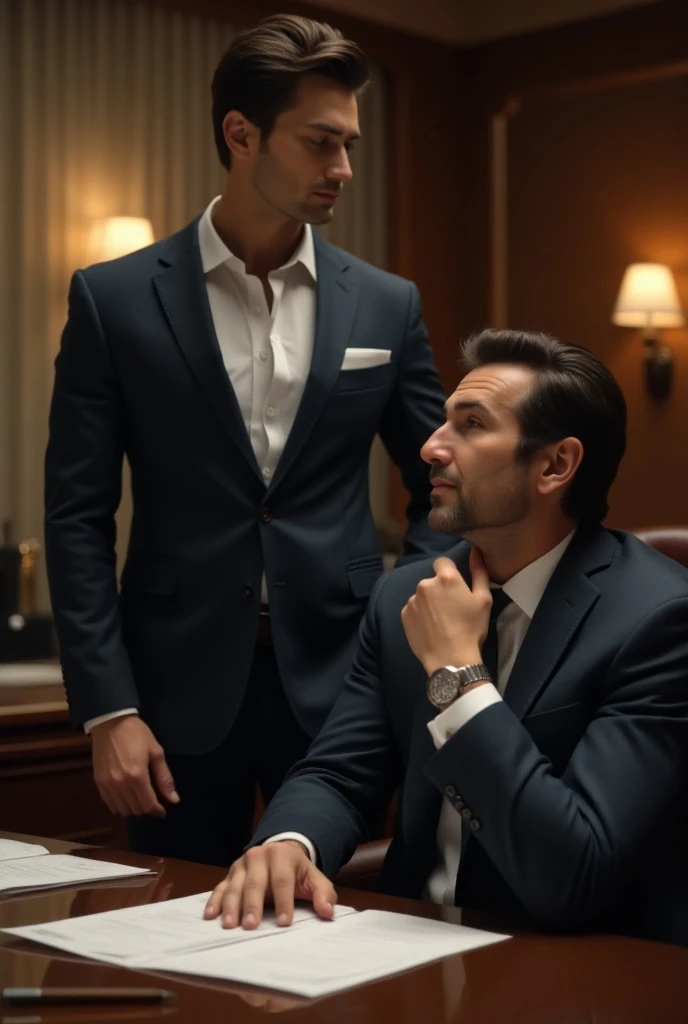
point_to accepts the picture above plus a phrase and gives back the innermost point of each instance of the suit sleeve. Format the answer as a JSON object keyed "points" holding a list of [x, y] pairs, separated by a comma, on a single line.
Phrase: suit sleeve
{"points": [[339, 793], [414, 412], [83, 472], [568, 847]]}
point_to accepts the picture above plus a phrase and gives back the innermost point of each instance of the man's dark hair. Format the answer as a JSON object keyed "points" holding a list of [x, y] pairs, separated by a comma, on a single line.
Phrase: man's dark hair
{"points": [[573, 395], [260, 71]]}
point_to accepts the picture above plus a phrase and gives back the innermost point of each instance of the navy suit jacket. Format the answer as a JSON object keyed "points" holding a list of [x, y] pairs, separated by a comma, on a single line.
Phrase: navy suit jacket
{"points": [[572, 790], [140, 373]]}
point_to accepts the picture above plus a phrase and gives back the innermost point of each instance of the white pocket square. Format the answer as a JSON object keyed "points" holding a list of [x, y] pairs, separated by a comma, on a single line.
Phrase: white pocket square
{"points": [[364, 358]]}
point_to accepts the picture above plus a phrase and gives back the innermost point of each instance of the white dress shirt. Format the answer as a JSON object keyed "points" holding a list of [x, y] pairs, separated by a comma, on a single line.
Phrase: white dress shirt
{"points": [[266, 351], [525, 590]]}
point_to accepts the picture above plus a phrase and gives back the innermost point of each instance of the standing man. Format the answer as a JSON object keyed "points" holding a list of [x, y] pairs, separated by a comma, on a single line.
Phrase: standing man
{"points": [[244, 367]]}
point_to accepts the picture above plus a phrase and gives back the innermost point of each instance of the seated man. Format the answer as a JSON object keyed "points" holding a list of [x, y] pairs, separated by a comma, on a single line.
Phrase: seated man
{"points": [[530, 693]]}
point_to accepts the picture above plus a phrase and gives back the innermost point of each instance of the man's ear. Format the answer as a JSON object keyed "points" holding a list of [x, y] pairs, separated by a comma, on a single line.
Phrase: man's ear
{"points": [[559, 464], [240, 135]]}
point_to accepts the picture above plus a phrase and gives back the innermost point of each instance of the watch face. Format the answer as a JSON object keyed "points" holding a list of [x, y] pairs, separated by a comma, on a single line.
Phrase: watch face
{"points": [[443, 687]]}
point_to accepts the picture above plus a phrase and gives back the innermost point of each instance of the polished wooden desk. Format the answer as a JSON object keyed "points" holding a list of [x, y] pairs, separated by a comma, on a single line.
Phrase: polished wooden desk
{"points": [[527, 980]]}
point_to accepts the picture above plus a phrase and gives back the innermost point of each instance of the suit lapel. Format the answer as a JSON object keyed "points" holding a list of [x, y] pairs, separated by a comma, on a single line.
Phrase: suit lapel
{"points": [[565, 604], [337, 299], [182, 292]]}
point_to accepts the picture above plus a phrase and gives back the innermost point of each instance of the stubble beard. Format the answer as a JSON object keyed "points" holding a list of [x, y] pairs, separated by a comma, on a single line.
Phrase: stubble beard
{"points": [[461, 518]]}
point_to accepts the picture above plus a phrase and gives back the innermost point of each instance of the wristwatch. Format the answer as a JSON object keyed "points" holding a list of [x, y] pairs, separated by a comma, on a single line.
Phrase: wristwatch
{"points": [[448, 683]]}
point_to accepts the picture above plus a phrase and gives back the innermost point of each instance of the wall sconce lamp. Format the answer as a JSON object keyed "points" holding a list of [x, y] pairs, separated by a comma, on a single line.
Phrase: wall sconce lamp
{"points": [[648, 299], [117, 236]]}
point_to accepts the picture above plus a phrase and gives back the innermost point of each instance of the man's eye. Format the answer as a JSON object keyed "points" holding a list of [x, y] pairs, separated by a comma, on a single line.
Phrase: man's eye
{"points": [[471, 422], [319, 142]]}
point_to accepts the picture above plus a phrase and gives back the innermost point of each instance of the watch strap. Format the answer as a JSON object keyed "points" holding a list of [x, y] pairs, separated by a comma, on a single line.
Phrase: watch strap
{"points": [[448, 683]]}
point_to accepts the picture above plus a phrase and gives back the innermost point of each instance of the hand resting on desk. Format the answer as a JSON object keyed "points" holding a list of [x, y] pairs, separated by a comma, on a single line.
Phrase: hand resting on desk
{"points": [[282, 870]]}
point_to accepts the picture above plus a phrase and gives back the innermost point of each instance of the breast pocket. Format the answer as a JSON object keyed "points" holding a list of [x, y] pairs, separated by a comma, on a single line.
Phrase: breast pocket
{"points": [[366, 378]]}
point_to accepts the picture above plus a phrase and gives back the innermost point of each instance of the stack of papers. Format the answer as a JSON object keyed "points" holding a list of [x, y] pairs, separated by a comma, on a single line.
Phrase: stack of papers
{"points": [[12, 849], [311, 958], [28, 867]]}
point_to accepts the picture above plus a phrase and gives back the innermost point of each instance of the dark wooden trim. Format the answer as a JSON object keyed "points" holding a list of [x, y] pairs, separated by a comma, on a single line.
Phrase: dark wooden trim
{"points": [[626, 41], [18, 716], [643, 44], [597, 83]]}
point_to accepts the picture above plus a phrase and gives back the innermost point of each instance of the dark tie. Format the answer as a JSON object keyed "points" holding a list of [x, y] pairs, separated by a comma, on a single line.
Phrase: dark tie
{"points": [[499, 602]]}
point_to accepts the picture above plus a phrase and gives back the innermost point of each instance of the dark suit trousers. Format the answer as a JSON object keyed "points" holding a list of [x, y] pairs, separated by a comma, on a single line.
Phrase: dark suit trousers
{"points": [[213, 821]]}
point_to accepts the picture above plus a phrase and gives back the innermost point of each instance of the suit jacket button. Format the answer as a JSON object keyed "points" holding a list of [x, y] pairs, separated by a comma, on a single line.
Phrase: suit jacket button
{"points": [[265, 515], [450, 791], [466, 814], [247, 591], [475, 825], [458, 803]]}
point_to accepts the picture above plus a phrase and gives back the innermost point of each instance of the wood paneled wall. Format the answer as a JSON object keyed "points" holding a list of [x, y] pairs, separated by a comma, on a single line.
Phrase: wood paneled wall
{"points": [[608, 187], [580, 144]]}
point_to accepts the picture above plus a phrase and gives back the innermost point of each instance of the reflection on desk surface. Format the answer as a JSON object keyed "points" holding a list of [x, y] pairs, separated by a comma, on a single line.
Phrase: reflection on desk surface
{"points": [[531, 979]]}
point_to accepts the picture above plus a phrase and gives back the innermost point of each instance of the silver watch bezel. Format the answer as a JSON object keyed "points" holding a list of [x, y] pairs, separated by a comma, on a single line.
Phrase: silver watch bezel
{"points": [[454, 681]]}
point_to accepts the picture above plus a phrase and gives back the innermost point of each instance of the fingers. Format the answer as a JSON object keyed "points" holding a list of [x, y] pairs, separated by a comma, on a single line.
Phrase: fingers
{"points": [[114, 790], [141, 793], [124, 754], [282, 869], [225, 899], [283, 885], [479, 573], [445, 567], [130, 793], [163, 778], [256, 884], [214, 904], [115, 804], [323, 895]]}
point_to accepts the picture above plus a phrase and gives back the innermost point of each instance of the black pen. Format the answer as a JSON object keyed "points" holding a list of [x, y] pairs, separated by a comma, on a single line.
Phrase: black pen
{"points": [[26, 996]]}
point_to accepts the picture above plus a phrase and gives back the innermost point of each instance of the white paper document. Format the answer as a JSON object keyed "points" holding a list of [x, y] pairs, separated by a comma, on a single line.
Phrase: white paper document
{"points": [[132, 935], [13, 849], [311, 958], [331, 955], [59, 869]]}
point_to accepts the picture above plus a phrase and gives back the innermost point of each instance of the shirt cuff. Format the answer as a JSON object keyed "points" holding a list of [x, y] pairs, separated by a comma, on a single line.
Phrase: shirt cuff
{"points": [[449, 721], [299, 839], [88, 725]]}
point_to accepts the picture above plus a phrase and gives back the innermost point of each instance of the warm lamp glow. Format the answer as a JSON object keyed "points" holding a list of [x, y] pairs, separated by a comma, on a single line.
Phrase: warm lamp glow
{"points": [[117, 236], [648, 298]]}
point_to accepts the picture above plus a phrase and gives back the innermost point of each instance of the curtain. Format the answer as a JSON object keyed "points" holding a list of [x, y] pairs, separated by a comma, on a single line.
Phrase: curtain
{"points": [[105, 111]]}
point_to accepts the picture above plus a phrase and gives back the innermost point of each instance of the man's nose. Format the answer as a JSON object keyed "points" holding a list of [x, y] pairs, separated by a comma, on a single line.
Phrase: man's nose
{"points": [[435, 449], [341, 170]]}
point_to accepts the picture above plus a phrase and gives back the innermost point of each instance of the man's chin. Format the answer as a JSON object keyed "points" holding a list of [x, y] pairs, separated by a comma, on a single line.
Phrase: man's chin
{"points": [[444, 520], [316, 215]]}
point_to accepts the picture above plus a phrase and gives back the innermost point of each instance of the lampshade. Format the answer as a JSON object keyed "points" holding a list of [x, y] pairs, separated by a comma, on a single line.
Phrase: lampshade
{"points": [[117, 236], [648, 298]]}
